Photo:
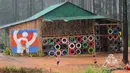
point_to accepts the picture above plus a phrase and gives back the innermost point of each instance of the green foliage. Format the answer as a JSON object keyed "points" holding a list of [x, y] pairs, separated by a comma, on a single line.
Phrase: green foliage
{"points": [[104, 70], [91, 69], [128, 43], [2, 46], [16, 55], [40, 54], [7, 51], [20, 70]]}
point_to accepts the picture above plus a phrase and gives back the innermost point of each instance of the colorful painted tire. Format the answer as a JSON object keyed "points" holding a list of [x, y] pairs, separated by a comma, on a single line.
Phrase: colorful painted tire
{"points": [[72, 39], [109, 26], [72, 51], [85, 38], [98, 31], [90, 38], [78, 45], [97, 38], [98, 49], [115, 37], [111, 49], [116, 42], [58, 53], [119, 43], [115, 48], [78, 51], [115, 31], [64, 40], [110, 37], [52, 47], [111, 42], [72, 46], [91, 44], [84, 51], [64, 46], [119, 34], [45, 42], [57, 46], [79, 39], [57, 41], [51, 53], [97, 43], [110, 31], [64, 52], [121, 49], [85, 45], [51, 41], [90, 50]]}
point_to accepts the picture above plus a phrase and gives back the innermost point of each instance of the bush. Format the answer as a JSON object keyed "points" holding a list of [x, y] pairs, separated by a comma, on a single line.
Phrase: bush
{"points": [[40, 54], [91, 69], [20, 70], [7, 51], [16, 55], [2, 46]]}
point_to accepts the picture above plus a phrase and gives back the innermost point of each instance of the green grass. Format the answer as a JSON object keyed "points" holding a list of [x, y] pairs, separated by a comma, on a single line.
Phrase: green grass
{"points": [[129, 43]]}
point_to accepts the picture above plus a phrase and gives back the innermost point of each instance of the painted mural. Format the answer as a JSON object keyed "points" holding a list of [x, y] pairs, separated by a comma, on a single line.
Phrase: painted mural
{"points": [[24, 41]]}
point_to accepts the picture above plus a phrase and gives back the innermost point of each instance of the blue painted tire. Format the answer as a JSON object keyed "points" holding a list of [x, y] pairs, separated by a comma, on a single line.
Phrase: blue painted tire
{"points": [[50, 53], [115, 31], [64, 52]]}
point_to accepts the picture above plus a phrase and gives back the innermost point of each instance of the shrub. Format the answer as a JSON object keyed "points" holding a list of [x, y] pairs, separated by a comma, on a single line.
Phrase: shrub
{"points": [[16, 55], [21, 70], [90, 69], [2, 46], [40, 54], [7, 51]]}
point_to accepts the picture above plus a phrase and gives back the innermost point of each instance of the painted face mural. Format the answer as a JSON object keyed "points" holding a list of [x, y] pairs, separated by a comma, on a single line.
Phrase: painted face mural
{"points": [[24, 40]]}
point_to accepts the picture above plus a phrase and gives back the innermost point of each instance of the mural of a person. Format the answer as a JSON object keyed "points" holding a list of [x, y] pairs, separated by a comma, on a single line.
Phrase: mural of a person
{"points": [[27, 43]]}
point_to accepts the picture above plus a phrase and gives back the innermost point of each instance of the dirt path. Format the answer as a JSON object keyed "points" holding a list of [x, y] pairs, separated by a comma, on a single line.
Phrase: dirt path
{"points": [[71, 64]]}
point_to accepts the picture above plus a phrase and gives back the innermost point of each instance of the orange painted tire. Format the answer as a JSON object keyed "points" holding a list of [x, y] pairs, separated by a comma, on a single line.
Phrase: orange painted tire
{"points": [[58, 53]]}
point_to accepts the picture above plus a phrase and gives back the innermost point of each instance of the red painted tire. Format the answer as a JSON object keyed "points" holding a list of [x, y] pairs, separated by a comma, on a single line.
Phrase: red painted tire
{"points": [[79, 39], [72, 51], [57, 41], [115, 37], [91, 44]]}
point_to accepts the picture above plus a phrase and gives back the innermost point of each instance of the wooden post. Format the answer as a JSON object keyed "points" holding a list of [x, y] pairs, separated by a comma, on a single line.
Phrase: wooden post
{"points": [[125, 32]]}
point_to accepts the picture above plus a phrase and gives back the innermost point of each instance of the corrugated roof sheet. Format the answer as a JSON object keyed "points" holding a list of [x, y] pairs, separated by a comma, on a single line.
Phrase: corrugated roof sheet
{"points": [[76, 18]]}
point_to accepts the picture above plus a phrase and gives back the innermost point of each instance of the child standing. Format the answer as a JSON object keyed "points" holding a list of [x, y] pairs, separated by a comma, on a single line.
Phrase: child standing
{"points": [[57, 60]]}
